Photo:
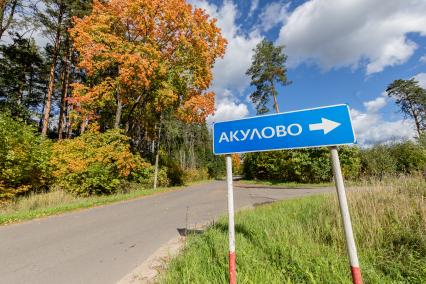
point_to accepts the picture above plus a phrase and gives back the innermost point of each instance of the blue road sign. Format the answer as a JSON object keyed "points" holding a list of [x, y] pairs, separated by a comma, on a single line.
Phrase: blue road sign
{"points": [[324, 126]]}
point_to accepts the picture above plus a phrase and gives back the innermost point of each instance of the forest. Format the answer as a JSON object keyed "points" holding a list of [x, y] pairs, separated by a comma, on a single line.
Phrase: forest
{"points": [[119, 94], [113, 92]]}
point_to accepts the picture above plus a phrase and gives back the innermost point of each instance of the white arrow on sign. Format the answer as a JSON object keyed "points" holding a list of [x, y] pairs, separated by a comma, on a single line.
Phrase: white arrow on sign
{"points": [[326, 125]]}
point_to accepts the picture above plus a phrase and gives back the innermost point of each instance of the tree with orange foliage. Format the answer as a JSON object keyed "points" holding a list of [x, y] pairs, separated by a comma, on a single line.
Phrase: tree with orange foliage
{"points": [[145, 57]]}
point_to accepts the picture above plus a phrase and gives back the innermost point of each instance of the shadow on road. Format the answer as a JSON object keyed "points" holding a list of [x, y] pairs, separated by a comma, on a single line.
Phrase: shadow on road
{"points": [[183, 232]]}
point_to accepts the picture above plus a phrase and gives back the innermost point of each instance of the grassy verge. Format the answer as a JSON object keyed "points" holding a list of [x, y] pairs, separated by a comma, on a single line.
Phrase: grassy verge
{"points": [[285, 184], [301, 241], [58, 201]]}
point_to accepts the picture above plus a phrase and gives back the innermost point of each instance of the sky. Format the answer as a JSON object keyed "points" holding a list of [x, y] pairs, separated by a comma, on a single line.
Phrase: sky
{"points": [[338, 52]]}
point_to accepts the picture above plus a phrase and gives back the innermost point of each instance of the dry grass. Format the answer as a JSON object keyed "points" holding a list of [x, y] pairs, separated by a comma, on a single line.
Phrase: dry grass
{"points": [[36, 201]]}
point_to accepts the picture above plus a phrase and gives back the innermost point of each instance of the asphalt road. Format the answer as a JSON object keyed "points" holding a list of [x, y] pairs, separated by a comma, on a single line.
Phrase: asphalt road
{"points": [[103, 244]]}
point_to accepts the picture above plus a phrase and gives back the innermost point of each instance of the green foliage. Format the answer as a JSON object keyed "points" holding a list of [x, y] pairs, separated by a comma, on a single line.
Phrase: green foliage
{"points": [[267, 69], [350, 161], [24, 159], [378, 161], [411, 98], [422, 140], [145, 176], [304, 166], [313, 165], [22, 77], [95, 163], [175, 174], [216, 168], [192, 175], [398, 158], [410, 157]]}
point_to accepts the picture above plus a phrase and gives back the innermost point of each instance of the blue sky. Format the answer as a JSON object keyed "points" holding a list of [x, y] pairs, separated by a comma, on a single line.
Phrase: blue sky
{"points": [[339, 52]]}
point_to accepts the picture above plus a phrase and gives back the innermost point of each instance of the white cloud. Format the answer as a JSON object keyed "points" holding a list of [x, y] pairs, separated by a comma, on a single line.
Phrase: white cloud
{"points": [[274, 13], [423, 59], [229, 72], [421, 78], [336, 33], [253, 7], [375, 105], [371, 127], [230, 80], [228, 110]]}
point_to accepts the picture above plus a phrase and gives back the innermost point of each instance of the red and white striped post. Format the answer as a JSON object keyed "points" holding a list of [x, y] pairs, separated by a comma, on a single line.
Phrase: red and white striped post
{"points": [[347, 224], [231, 228]]}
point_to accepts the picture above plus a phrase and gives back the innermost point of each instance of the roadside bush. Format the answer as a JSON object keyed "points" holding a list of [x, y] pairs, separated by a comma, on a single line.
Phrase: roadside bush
{"points": [[175, 174], [304, 166], [191, 175], [216, 167], [410, 157], [95, 163], [378, 162], [24, 159], [145, 176], [398, 158]]}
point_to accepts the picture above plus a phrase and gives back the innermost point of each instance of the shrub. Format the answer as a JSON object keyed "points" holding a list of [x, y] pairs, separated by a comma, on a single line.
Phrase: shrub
{"points": [[95, 163], [191, 175], [410, 157], [216, 167], [305, 165], [24, 159], [145, 176], [175, 174], [398, 158], [350, 160]]}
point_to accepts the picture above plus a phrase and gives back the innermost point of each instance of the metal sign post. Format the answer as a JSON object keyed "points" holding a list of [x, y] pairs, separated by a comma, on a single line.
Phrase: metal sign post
{"points": [[231, 228], [317, 127], [347, 225]]}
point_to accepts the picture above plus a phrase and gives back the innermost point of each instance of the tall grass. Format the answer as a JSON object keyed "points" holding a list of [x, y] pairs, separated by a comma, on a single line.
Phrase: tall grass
{"points": [[302, 241]]}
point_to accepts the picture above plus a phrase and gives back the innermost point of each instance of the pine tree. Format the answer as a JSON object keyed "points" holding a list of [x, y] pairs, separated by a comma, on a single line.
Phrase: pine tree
{"points": [[411, 98], [267, 69], [22, 77]]}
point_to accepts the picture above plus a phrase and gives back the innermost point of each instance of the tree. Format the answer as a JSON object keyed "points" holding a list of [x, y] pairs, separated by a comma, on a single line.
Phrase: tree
{"points": [[143, 58], [8, 9], [267, 69], [22, 77], [411, 98], [56, 18]]}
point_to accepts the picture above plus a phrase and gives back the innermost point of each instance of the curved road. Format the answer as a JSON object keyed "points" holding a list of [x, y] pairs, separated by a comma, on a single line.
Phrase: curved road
{"points": [[103, 244]]}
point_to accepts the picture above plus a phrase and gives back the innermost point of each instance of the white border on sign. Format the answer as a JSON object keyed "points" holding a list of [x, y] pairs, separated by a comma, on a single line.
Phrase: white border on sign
{"points": [[289, 148]]}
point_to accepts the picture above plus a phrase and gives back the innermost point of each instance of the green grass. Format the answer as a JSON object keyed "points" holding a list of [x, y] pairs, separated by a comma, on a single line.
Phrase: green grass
{"points": [[301, 241], [285, 184], [58, 201]]}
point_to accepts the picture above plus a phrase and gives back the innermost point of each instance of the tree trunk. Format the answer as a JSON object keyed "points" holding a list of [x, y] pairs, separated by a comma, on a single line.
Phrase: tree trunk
{"points": [[417, 122], [274, 94], [157, 157], [118, 111], [83, 124], [6, 24], [69, 122], [50, 89], [64, 90]]}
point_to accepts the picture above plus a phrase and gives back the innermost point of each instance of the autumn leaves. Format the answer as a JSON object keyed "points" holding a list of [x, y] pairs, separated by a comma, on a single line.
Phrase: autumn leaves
{"points": [[149, 55]]}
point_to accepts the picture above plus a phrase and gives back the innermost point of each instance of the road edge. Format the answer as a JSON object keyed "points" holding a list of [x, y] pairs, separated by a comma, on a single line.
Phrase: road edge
{"points": [[148, 271]]}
